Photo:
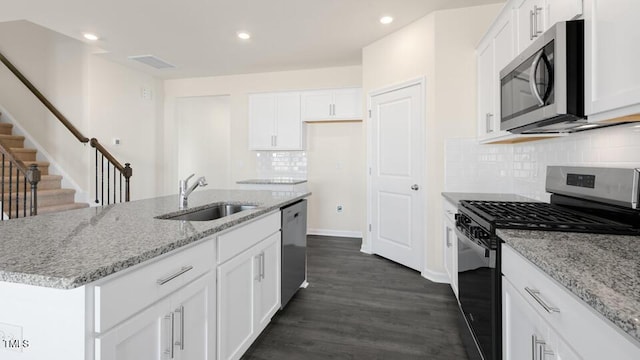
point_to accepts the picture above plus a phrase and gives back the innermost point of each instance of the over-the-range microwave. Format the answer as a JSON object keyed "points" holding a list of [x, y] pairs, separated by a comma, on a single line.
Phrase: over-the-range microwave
{"points": [[542, 89]]}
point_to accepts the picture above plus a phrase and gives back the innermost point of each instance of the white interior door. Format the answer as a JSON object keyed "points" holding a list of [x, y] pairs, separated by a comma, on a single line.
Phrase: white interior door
{"points": [[397, 163], [204, 145]]}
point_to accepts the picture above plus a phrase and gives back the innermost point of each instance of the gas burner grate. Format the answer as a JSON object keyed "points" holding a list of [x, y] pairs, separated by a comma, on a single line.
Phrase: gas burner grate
{"points": [[543, 216]]}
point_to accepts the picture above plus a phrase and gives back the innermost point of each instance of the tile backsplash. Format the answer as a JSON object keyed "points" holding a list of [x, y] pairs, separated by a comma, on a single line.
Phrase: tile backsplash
{"points": [[521, 168], [282, 164]]}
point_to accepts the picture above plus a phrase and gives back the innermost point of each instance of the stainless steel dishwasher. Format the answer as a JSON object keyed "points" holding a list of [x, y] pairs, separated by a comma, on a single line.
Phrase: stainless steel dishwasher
{"points": [[294, 249]]}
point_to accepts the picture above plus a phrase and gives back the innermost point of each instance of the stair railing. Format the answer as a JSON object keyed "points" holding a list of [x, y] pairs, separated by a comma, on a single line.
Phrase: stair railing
{"points": [[12, 196], [104, 160]]}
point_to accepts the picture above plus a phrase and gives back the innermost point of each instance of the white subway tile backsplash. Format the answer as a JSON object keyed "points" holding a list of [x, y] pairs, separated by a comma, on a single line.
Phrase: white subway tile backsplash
{"points": [[282, 164], [521, 168]]}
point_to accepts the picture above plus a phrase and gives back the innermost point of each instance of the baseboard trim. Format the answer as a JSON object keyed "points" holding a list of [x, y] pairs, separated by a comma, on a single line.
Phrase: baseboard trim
{"points": [[437, 277], [336, 233], [366, 248]]}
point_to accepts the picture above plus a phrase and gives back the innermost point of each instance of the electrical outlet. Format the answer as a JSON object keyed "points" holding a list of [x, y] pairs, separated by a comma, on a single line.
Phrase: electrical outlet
{"points": [[339, 208], [116, 141]]}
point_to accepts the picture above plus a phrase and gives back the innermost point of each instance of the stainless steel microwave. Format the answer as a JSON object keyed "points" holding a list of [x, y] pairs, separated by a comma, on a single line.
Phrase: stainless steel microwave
{"points": [[542, 90]]}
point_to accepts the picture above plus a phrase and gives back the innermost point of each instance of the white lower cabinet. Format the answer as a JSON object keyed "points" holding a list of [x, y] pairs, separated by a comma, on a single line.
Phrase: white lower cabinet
{"points": [[248, 296], [180, 326], [450, 245], [542, 320]]}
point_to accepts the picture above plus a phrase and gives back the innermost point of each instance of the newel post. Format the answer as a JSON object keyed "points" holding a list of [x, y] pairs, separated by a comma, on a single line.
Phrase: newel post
{"points": [[128, 172], [33, 177]]}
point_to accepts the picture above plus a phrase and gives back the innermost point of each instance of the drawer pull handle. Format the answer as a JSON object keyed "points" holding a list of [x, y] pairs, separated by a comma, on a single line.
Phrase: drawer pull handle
{"points": [[174, 275], [535, 294]]}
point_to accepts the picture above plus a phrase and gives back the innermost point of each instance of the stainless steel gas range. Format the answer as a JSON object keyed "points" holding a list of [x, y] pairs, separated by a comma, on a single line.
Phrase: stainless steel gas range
{"points": [[585, 200]]}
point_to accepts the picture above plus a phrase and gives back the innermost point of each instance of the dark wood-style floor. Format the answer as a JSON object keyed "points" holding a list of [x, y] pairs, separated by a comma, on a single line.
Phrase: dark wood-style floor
{"points": [[360, 306]]}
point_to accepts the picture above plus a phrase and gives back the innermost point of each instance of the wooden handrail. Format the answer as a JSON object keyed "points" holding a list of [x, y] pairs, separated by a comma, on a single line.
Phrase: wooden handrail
{"points": [[9, 157], [96, 144], [44, 101]]}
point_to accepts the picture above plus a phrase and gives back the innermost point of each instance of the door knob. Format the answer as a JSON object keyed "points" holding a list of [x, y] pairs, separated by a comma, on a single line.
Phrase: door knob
{"points": [[415, 187]]}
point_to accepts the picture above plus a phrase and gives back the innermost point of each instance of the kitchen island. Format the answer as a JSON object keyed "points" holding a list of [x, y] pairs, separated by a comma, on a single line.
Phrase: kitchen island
{"points": [[77, 284]]}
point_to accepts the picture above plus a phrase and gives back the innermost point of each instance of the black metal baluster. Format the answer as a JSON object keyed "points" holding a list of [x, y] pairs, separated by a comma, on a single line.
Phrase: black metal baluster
{"points": [[96, 175], [108, 167], [114, 184], [10, 188], [2, 198], [17, 192], [102, 180], [121, 187], [24, 208]]}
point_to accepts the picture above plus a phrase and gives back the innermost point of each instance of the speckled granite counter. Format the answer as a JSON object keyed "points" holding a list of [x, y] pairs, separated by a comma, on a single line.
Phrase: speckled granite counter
{"points": [[456, 197], [274, 181], [69, 249], [602, 270]]}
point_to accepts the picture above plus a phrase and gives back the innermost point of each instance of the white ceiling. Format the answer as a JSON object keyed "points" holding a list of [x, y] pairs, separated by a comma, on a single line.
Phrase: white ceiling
{"points": [[199, 36]]}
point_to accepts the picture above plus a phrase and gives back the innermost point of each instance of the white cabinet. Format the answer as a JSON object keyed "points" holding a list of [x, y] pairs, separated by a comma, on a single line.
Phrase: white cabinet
{"points": [[494, 53], [178, 327], [274, 122], [530, 15], [332, 105], [611, 51], [541, 316], [536, 16], [248, 294], [450, 245]]}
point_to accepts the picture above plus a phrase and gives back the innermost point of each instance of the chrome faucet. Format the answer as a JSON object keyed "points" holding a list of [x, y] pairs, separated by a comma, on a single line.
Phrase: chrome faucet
{"points": [[185, 189]]}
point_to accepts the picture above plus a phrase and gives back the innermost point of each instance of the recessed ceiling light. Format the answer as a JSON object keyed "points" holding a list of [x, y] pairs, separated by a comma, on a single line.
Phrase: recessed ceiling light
{"points": [[386, 20], [244, 35], [90, 36]]}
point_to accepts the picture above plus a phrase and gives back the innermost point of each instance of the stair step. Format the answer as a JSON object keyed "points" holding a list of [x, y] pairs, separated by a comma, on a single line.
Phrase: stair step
{"points": [[12, 141], [24, 154], [6, 128], [45, 198], [47, 182], [62, 207], [43, 166]]}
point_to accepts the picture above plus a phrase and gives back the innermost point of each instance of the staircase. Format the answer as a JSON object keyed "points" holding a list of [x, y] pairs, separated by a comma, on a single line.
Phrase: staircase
{"points": [[51, 196]]}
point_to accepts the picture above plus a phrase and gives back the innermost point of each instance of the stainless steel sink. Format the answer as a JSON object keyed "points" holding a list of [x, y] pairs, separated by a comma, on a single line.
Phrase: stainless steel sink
{"points": [[209, 213]]}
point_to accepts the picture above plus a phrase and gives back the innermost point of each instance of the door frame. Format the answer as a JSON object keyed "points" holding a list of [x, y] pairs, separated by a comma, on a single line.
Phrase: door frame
{"points": [[422, 182]]}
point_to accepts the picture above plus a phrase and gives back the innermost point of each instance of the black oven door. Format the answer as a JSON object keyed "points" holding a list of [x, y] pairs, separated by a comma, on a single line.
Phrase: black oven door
{"points": [[479, 295]]}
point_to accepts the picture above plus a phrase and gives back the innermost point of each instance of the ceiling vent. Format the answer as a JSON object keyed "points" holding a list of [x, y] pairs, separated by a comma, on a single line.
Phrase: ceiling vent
{"points": [[152, 61]]}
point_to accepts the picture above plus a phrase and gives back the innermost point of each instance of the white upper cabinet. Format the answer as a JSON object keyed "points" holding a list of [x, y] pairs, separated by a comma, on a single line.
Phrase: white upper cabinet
{"points": [[531, 24], [274, 122], [332, 105], [562, 10], [612, 49]]}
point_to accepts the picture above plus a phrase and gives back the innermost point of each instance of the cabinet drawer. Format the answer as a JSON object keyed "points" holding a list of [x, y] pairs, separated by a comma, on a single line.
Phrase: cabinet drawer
{"points": [[236, 241], [589, 333], [119, 298]]}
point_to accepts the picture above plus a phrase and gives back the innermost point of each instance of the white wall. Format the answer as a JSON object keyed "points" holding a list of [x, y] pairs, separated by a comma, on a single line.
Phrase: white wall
{"points": [[440, 46], [102, 99], [521, 168], [244, 164], [204, 139]]}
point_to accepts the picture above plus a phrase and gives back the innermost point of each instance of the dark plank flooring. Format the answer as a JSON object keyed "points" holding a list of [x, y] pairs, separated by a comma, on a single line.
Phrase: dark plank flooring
{"points": [[361, 306]]}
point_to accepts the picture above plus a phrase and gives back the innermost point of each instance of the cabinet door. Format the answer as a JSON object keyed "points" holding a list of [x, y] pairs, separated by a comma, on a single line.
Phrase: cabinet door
{"points": [[262, 117], [268, 293], [194, 314], [451, 254], [317, 105], [146, 336], [288, 124], [531, 22], [611, 50], [236, 296], [523, 331], [486, 86], [347, 104], [562, 10]]}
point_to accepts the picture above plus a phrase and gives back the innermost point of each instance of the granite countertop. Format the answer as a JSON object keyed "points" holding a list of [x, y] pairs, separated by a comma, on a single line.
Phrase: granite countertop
{"points": [[274, 181], [456, 197], [69, 249], [602, 270]]}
